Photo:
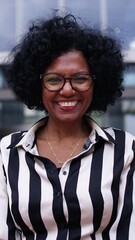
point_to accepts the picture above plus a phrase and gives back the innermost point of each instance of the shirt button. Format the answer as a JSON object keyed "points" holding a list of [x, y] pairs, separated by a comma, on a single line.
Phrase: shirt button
{"points": [[51, 171], [64, 172], [59, 194]]}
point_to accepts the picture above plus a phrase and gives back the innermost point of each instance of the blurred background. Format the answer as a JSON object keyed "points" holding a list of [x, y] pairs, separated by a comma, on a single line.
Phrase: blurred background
{"points": [[117, 15]]}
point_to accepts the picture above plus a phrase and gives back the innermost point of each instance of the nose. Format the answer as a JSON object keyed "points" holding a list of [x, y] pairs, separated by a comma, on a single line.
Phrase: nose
{"points": [[67, 89]]}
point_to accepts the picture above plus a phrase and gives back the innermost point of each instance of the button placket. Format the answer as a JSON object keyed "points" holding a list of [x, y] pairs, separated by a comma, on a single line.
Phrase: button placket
{"points": [[63, 175], [59, 194]]}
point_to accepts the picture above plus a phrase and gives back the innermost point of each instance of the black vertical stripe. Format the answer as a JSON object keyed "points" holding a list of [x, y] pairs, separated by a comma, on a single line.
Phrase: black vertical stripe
{"points": [[72, 201], [13, 172], [117, 169], [35, 199], [11, 226], [57, 207], [124, 223], [95, 184]]}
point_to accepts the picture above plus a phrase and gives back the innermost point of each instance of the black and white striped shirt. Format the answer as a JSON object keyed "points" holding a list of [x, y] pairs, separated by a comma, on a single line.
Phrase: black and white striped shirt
{"points": [[91, 198]]}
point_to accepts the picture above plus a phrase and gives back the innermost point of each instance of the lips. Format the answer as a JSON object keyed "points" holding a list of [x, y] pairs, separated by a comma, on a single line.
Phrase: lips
{"points": [[68, 104]]}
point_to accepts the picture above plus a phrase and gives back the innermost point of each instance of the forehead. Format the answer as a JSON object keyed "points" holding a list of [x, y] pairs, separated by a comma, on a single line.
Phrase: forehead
{"points": [[72, 61]]}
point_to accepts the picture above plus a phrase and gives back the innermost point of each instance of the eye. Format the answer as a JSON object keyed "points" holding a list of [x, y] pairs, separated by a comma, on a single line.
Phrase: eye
{"points": [[54, 80], [81, 78]]}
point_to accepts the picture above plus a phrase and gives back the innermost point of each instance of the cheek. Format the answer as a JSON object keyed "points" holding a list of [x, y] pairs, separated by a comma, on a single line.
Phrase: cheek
{"points": [[88, 100], [47, 97], [89, 96]]}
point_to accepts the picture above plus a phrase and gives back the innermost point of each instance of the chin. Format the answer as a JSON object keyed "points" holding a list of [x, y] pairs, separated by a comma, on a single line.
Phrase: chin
{"points": [[68, 119]]}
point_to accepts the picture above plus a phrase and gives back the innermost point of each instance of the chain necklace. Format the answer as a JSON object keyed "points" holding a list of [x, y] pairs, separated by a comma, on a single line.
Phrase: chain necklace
{"points": [[54, 154]]}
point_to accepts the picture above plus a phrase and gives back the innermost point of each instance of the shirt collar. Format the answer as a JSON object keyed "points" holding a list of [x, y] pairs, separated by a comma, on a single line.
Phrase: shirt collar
{"points": [[98, 132], [28, 138]]}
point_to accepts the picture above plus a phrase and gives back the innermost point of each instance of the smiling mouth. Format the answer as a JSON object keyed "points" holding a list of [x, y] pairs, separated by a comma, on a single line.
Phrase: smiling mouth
{"points": [[68, 104]]}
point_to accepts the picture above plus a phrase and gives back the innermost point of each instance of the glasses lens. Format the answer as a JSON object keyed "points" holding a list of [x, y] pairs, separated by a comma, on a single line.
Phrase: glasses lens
{"points": [[53, 82], [82, 82]]}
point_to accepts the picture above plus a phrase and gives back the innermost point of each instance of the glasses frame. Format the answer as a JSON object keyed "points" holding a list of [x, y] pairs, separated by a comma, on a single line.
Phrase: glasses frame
{"points": [[92, 77]]}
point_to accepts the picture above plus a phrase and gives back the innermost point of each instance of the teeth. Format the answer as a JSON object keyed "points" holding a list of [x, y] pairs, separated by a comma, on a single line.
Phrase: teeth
{"points": [[68, 104]]}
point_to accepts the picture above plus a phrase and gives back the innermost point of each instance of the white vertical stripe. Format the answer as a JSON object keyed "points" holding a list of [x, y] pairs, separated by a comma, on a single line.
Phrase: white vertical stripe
{"points": [[106, 182], [23, 189], [84, 197], [3, 204]]}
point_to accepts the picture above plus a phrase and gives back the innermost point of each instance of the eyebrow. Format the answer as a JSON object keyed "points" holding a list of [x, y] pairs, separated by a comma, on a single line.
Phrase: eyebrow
{"points": [[77, 73]]}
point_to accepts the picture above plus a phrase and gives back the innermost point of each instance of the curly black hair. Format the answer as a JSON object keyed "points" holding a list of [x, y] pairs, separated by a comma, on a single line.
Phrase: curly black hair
{"points": [[48, 39]]}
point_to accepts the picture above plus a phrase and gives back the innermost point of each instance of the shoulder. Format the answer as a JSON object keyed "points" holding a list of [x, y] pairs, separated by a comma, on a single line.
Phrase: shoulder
{"points": [[22, 138], [119, 134], [12, 139], [124, 143]]}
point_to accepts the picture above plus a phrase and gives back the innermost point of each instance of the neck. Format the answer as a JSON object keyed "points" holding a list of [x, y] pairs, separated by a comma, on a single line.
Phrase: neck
{"points": [[64, 130], [53, 137]]}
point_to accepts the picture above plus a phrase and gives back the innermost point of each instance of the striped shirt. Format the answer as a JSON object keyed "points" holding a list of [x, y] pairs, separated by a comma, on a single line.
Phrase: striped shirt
{"points": [[92, 197]]}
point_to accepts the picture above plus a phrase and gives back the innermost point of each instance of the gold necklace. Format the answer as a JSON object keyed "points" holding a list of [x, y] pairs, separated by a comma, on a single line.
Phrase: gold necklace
{"points": [[54, 154]]}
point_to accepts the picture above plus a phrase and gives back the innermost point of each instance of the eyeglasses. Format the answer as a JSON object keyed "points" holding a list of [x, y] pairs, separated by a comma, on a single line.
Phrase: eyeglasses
{"points": [[55, 82]]}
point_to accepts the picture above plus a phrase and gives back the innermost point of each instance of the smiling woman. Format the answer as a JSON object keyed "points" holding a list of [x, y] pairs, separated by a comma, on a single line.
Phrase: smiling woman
{"points": [[69, 101], [78, 177]]}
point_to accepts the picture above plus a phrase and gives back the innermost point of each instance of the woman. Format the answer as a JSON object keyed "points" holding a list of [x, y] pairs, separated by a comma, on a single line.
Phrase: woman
{"points": [[67, 178]]}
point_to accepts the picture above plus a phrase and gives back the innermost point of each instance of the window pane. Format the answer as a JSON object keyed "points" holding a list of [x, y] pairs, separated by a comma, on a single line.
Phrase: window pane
{"points": [[129, 76]]}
